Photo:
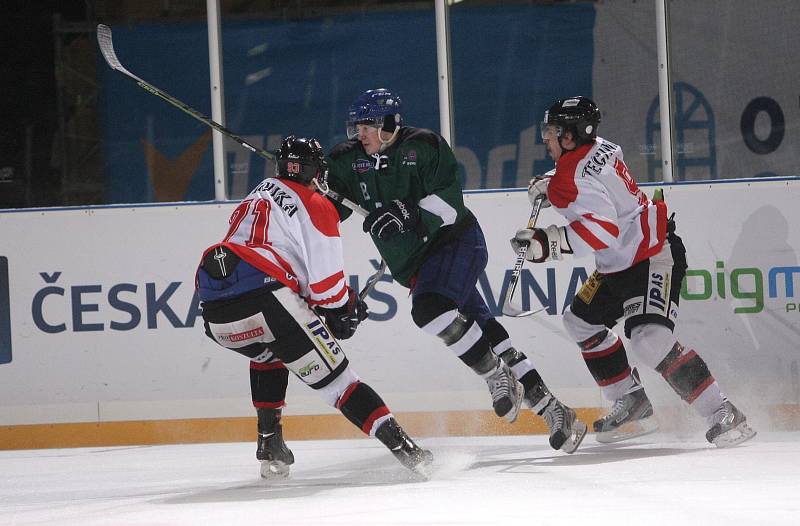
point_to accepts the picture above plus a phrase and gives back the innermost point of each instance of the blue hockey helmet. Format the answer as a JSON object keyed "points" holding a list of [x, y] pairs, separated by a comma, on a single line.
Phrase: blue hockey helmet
{"points": [[376, 107], [301, 159]]}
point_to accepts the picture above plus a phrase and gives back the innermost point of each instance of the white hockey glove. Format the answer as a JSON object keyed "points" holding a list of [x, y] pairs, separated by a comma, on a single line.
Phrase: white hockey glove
{"points": [[544, 244], [538, 186]]}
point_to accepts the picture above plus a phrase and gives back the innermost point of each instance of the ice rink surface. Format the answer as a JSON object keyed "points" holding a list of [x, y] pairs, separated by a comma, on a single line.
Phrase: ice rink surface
{"points": [[656, 480]]}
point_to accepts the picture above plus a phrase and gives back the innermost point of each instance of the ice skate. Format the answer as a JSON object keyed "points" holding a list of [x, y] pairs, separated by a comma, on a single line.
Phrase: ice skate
{"points": [[566, 431], [272, 451], [507, 392], [404, 449], [631, 416], [728, 427]]}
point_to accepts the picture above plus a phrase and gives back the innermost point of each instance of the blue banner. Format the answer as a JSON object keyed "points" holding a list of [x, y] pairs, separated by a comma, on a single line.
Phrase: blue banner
{"points": [[509, 64]]}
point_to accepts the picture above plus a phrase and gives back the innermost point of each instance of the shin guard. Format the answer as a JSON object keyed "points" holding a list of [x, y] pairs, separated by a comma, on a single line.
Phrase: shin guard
{"points": [[689, 376], [268, 382], [362, 406], [607, 361]]}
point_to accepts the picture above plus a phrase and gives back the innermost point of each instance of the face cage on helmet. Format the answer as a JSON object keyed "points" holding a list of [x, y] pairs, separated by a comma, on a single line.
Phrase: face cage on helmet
{"points": [[352, 125], [550, 131]]}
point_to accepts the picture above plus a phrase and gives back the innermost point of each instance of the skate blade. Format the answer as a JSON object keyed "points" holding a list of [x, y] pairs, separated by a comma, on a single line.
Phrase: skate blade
{"points": [[513, 413], [627, 431], [274, 469], [735, 436], [575, 439], [422, 470]]}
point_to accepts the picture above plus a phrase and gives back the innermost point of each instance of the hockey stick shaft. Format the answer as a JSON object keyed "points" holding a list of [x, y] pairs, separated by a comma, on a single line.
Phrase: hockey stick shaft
{"points": [[520, 261], [373, 280], [104, 40]]}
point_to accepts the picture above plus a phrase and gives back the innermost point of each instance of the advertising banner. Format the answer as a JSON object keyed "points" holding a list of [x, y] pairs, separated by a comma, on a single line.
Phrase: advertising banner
{"points": [[105, 325]]}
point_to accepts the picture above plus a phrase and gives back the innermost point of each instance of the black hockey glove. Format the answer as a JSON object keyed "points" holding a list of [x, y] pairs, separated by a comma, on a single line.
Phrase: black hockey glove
{"points": [[392, 220], [342, 321]]}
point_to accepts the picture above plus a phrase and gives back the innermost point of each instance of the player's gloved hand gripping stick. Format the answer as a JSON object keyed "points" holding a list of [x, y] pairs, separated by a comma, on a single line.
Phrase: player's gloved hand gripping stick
{"points": [[509, 309]]}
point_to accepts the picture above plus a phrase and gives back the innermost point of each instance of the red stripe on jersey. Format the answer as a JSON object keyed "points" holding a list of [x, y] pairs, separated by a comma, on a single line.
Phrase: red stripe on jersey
{"points": [[561, 190], [347, 392], [608, 226], [700, 388], [591, 355], [621, 376], [644, 246], [332, 299], [321, 211], [266, 366], [585, 234], [645, 250], [378, 413], [321, 286]]}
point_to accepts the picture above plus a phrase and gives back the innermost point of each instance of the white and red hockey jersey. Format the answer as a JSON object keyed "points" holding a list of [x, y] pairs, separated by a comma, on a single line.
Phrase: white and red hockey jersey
{"points": [[291, 232], [607, 212]]}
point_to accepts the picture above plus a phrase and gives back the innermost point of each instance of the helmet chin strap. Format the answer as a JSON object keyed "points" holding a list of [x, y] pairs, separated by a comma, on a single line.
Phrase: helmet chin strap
{"points": [[321, 186], [385, 144], [561, 144]]}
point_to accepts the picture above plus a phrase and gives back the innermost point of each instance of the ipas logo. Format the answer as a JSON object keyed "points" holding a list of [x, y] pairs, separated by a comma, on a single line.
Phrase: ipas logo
{"points": [[5, 313]]}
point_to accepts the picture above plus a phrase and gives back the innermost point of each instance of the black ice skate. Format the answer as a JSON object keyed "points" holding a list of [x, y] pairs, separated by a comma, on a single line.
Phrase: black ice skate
{"points": [[566, 431], [728, 427], [403, 448], [507, 392], [631, 416], [272, 451]]}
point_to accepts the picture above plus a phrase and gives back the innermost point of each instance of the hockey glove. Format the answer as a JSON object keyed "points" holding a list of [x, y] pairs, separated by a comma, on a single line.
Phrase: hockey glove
{"points": [[343, 321], [538, 186], [544, 244], [392, 220]]}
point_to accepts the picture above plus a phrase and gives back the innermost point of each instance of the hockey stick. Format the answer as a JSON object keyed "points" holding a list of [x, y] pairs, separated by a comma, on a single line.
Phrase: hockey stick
{"points": [[104, 40], [106, 44], [373, 280], [509, 309]]}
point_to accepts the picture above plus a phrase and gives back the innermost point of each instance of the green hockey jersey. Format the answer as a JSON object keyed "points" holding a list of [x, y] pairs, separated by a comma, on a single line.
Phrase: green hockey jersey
{"points": [[421, 170]]}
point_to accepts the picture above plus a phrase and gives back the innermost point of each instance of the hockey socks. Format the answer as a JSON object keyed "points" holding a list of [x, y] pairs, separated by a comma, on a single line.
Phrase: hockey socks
{"points": [[362, 406]]}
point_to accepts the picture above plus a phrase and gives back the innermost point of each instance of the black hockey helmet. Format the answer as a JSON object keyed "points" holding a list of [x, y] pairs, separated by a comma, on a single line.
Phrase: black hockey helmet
{"points": [[301, 159], [578, 115]]}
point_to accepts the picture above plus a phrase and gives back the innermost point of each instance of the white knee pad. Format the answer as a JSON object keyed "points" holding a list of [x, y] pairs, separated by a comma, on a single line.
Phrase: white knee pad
{"points": [[331, 393], [578, 329], [651, 343]]}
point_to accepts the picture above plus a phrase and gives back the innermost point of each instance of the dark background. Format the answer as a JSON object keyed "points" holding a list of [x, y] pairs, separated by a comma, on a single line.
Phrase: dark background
{"points": [[28, 99], [50, 144]]}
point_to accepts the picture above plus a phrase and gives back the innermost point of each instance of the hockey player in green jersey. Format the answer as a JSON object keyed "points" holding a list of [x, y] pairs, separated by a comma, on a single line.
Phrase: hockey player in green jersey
{"points": [[407, 179]]}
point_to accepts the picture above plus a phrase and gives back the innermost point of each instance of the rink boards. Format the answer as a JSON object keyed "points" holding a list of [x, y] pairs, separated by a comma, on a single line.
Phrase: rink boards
{"points": [[101, 340]]}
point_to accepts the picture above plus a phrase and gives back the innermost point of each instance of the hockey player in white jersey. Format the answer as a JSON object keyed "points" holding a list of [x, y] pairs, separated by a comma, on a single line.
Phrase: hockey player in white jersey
{"points": [[641, 263], [274, 290]]}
